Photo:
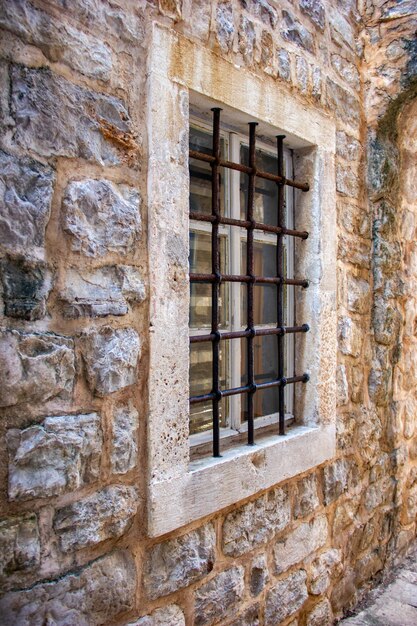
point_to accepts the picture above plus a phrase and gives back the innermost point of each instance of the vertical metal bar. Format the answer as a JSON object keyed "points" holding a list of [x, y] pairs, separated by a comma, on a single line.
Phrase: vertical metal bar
{"points": [[280, 286], [251, 273], [215, 268]]}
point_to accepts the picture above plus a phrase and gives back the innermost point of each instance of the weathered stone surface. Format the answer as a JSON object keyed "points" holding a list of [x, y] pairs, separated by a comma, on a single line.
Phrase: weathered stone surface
{"points": [[19, 545], [342, 386], [347, 146], [315, 11], [292, 30], [247, 38], [316, 79], [306, 498], [170, 615], [95, 594], [321, 615], [171, 8], [343, 103], [386, 320], [347, 183], [256, 522], [106, 514], [296, 546], [341, 31], [124, 447], [25, 201], [258, 574], [217, 598], [61, 454], [101, 292], [323, 568], [285, 598], [26, 286], [301, 74], [263, 10], [59, 41], [178, 562], [250, 617], [346, 70], [101, 217], [45, 358], [335, 479], [358, 294], [284, 64], [78, 127], [110, 357], [350, 337], [225, 25]]}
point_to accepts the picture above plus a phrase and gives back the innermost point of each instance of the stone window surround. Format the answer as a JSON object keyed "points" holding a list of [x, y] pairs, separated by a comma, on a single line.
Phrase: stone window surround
{"points": [[181, 71]]}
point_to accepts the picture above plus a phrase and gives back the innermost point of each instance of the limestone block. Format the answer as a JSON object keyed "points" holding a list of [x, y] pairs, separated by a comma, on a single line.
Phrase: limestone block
{"points": [[347, 146], [19, 545], [321, 615], [347, 183], [350, 337], [95, 595], [58, 41], [200, 24], [258, 574], [346, 70], [101, 217], [61, 454], [219, 597], [341, 31], [386, 320], [301, 74], [168, 616], [124, 447], [86, 125], [110, 358], [35, 367], [256, 522], [284, 64], [323, 569], [335, 479], [247, 38], [250, 617], [306, 499], [178, 562], [358, 294], [285, 598], [315, 11], [263, 10], [225, 28], [316, 78], [25, 202], [26, 286], [342, 386], [106, 514], [101, 292], [296, 546], [292, 30], [342, 103]]}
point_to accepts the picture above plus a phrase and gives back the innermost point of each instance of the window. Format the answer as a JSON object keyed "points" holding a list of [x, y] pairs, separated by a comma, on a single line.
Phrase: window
{"points": [[244, 352]]}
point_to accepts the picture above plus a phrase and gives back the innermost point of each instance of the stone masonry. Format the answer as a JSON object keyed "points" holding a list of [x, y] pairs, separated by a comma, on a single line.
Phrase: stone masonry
{"points": [[75, 331]]}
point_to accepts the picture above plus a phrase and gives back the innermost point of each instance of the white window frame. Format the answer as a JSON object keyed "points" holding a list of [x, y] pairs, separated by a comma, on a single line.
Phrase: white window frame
{"points": [[181, 71]]}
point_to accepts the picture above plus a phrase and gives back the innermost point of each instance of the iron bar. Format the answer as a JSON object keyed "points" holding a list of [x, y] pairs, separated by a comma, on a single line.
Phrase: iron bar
{"points": [[256, 332], [243, 278], [267, 228], [215, 268], [251, 281], [280, 286]]}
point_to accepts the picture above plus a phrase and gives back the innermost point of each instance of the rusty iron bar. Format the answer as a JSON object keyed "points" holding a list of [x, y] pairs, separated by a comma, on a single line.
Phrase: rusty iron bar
{"points": [[243, 278], [267, 228], [256, 332], [280, 287], [250, 283]]}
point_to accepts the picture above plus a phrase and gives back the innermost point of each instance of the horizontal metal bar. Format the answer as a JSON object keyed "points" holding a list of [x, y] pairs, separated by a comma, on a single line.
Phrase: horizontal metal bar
{"points": [[267, 228], [257, 332], [208, 158], [244, 278]]}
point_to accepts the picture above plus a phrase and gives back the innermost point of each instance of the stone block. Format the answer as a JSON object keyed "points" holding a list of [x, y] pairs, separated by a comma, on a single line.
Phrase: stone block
{"points": [[95, 594], [250, 617], [335, 479], [86, 124], [300, 543], [219, 598], [346, 70], [106, 514], [101, 217], [124, 447], [342, 386], [321, 615], [263, 10], [301, 74], [26, 286], [315, 11], [258, 574], [347, 146], [347, 183], [285, 598], [35, 367], [292, 30], [325, 567], [178, 562], [26, 188], [170, 615], [247, 38], [59, 455], [283, 64], [19, 545], [358, 294], [342, 103], [225, 28], [306, 499], [110, 358], [256, 522], [350, 337]]}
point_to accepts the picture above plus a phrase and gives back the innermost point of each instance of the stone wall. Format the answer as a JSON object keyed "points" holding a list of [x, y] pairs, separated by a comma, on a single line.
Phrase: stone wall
{"points": [[75, 333]]}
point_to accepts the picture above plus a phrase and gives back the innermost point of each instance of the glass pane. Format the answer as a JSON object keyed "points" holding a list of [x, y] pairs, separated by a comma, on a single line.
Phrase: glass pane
{"points": [[200, 173], [266, 192], [265, 296]]}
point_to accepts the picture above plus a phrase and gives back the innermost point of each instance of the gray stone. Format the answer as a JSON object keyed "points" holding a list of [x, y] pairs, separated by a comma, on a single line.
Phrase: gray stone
{"points": [[35, 367], [61, 454], [342, 103], [219, 597], [26, 286], [247, 38], [250, 617], [256, 522], [25, 202], [301, 73], [284, 64], [316, 90], [95, 595], [285, 598], [86, 125], [386, 320], [110, 358], [106, 514], [315, 11], [347, 183], [124, 447], [58, 40], [225, 25], [358, 294], [306, 499], [168, 616], [347, 146], [178, 562], [346, 70], [19, 545], [292, 30], [101, 217], [342, 385], [264, 10], [300, 543], [321, 615], [325, 567], [335, 479], [258, 574], [350, 337], [341, 30]]}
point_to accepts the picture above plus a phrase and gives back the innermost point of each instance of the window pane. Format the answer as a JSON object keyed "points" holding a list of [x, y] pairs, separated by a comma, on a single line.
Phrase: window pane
{"points": [[200, 173], [266, 192], [265, 296]]}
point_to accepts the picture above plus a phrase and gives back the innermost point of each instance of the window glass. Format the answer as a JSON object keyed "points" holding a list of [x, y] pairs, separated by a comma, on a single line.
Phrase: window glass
{"points": [[266, 191], [200, 173]]}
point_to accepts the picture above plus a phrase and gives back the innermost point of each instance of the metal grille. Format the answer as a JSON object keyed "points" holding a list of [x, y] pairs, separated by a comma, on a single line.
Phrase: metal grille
{"points": [[216, 278]]}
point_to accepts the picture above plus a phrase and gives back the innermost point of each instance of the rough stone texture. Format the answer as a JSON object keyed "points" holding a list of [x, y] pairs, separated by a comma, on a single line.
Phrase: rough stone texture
{"points": [[26, 286], [25, 200], [284, 65], [45, 358], [178, 562], [170, 615], [285, 598], [217, 598], [323, 568], [306, 498], [335, 477], [95, 594], [258, 575], [315, 11], [294, 31], [106, 514], [110, 358], [321, 615], [225, 25], [61, 454], [256, 522], [250, 617], [296, 546], [19, 545], [101, 217], [124, 450]]}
